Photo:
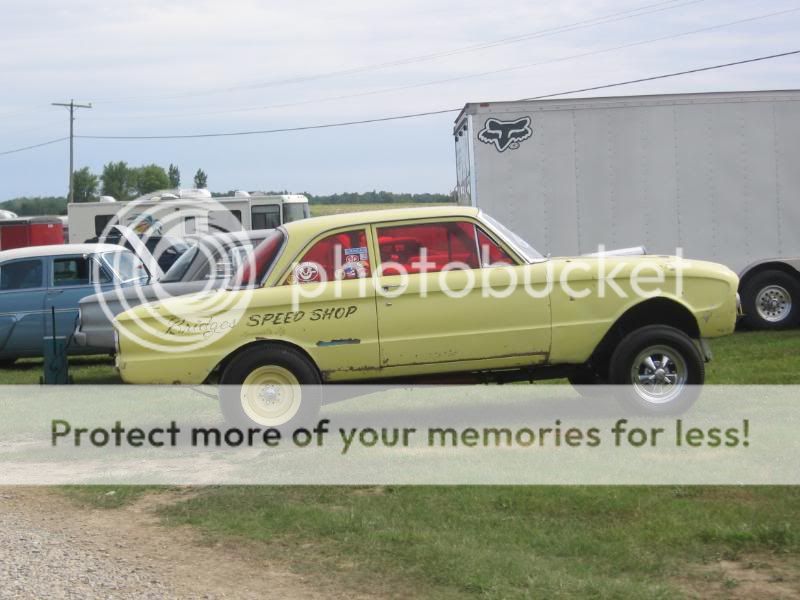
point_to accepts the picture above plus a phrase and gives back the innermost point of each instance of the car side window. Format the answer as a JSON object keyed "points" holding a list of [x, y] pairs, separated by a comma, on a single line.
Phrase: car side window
{"points": [[427, 247], [491, 254], [339, 256], [69, 271], [21, 275]]}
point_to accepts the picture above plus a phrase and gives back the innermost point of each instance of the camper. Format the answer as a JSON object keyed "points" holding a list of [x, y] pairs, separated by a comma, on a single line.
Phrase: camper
{"points": [[184, 214], [713, 176]]}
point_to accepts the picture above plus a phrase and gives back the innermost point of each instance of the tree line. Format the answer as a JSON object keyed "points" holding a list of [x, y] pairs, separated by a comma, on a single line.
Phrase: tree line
{"points": [[124, 182]]}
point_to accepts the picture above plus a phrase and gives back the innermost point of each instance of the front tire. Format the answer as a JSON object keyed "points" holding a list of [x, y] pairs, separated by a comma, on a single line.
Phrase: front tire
{"points": [[771, 300], [660, 368], [270, 387]]}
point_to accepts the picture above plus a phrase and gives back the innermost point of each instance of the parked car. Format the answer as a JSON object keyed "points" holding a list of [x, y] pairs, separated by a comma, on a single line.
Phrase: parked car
{"points": [[34, 281], [379, 325], [165, 249], [208, 264]]}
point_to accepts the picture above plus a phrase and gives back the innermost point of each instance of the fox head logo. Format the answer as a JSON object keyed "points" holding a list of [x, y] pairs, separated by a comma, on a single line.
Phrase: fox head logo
{"points": [[505, 134]]}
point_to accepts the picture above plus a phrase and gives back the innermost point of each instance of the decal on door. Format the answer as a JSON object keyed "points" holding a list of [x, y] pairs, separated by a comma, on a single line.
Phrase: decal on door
{"points": [[505, 134]]}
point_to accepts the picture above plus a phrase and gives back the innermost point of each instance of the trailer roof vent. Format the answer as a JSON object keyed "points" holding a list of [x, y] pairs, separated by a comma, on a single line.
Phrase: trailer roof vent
{"points": [[107, 199]]}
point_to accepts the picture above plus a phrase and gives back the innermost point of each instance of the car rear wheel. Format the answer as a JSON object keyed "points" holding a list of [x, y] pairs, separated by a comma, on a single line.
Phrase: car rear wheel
{"points": [[771, 300], [270, 387], [660, 368]]}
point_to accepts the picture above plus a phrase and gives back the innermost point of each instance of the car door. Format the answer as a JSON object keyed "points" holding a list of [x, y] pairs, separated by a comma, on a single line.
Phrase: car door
{"points": [[70, 280], [461, 310], [336, 297], [22, 292]]}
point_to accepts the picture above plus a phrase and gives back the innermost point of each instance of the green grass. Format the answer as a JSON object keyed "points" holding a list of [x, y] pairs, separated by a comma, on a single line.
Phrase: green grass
{"points": [[511, 542], [105, 496]]}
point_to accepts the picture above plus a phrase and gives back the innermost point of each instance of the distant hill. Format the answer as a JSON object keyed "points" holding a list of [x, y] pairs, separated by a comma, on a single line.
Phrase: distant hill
{"points": [[36, 205]]}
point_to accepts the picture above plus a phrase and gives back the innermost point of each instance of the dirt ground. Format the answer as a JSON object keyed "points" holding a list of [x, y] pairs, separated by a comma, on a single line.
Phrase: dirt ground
{"points": [[50, 547]]}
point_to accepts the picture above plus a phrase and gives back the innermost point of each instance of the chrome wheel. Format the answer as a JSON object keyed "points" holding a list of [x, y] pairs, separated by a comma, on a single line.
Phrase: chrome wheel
{"points": [[658, 374], [774, 303], [270, 395]]}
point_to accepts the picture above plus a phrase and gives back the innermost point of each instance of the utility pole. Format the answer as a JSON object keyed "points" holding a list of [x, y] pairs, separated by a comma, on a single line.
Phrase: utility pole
{"points": [[71, 106]]}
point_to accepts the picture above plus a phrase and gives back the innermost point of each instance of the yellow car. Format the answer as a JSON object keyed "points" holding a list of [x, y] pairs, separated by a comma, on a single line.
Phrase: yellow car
{"points": [[431, 293]]}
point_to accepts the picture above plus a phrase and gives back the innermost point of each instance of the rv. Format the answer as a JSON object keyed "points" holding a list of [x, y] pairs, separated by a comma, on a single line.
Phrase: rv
{"points": [[184, 214], [713, 175]]}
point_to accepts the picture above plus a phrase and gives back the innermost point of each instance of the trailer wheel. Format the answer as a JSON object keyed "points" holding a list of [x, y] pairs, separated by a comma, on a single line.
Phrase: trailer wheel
{"points": [[771, 300], [659, 370]]}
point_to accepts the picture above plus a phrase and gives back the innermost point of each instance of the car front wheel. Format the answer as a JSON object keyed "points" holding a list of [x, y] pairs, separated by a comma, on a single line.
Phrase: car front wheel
{"points": [[660, 368], [270, 387]]}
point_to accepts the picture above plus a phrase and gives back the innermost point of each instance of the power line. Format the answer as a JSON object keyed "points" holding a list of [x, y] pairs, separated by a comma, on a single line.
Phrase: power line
{"points": [[485, 73], [609, 18], [427, 113], [33, 146], [655, 77], [266, 131], [405, 116]]}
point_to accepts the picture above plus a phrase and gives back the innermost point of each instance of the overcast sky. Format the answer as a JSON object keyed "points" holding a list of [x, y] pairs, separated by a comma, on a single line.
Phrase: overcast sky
{"points": [[180, 66]]}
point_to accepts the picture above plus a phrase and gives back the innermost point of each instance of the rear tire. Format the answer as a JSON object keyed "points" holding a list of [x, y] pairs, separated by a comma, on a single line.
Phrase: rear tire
{"points": [[660, 368], [270, 386], [771, 300]]}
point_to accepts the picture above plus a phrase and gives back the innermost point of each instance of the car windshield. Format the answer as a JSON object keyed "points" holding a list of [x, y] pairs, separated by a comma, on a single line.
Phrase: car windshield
{"points": [[528, 252], [257, 264], [125, 265], [179, 268]]}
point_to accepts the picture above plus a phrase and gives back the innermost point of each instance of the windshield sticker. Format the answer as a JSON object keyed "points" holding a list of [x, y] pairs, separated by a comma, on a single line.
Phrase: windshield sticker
{"points": [[353, 254], [307, 271]]}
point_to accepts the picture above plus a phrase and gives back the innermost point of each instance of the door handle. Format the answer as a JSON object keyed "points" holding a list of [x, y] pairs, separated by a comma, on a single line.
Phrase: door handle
{"points": [[388, 288]]}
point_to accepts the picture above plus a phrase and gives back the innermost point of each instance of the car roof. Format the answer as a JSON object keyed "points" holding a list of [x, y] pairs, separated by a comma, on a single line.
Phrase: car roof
{"points": [[59, 250], [314, 225]]}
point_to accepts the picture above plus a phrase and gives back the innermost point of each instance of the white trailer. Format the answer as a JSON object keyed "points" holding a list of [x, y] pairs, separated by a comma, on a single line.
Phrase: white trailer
{"points": [[716, 175], [186, 213]]}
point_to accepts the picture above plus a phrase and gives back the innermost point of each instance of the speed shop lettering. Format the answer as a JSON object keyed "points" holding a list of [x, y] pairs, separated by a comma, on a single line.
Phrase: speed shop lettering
{"points": [[318, 314]]}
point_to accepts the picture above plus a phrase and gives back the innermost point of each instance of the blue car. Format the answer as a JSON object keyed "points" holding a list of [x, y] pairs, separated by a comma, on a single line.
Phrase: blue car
{"points": [[35, 281]]}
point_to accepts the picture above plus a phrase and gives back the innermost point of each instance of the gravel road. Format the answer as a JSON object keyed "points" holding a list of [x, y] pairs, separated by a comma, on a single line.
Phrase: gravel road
{"points": [[52, 548], [39, 562]]}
